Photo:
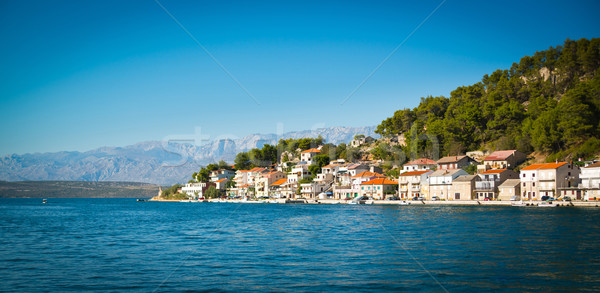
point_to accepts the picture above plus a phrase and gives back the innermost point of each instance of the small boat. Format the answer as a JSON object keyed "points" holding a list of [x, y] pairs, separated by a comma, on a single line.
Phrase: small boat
{"points": [[546, 204], [404, 203], [44, 200], [518, 204]]}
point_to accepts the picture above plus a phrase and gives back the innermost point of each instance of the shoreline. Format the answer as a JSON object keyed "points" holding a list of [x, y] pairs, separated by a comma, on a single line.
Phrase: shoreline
{"points": [[393, 202]]}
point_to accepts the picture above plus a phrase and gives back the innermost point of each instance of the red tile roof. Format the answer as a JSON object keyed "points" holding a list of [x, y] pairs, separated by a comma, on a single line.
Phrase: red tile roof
{"points": [[311, 151], [279, 182], [220, 180], [499, 155], [368, 174], [414, 173], [544, 166], [379, 181], [421, 162]]}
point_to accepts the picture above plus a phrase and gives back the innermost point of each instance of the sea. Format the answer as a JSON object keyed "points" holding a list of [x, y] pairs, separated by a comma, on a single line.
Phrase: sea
{"points": [[122, 245]]}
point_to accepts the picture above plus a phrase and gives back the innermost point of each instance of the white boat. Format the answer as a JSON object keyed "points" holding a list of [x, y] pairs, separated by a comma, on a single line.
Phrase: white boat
{"points": [[44, 200], [404, 203], [518, 204], [546, 204]]}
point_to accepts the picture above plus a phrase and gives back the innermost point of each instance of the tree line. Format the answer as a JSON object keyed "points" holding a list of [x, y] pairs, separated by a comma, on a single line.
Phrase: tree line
{"points": [[547, 103]]}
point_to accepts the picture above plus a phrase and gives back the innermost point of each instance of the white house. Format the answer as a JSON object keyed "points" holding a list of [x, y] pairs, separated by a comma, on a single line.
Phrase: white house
{"points": [[419, 165], [196, 190], [440, 182], [590, 181], [411, 184], [539, 180], [221, 174], [307, 155], [490, 180]]}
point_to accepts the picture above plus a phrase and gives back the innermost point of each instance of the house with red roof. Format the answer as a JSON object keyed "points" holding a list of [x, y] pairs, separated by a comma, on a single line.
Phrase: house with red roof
{"points": [[539, 180], [307, 155], [379, 188], [411, 184], [264, 181], [280, 189], [487, 187], [419, 165], [352, 189], [220, 184], [508, 159]]}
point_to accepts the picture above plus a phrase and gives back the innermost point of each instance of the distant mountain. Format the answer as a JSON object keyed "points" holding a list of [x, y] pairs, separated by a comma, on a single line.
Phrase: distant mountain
{"points": [[157, 162]]}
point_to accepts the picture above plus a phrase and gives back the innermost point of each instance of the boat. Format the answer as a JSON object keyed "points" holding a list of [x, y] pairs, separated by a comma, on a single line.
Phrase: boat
{"points": [[546, 204], [518, 204], [404, 203], [44, 200]]}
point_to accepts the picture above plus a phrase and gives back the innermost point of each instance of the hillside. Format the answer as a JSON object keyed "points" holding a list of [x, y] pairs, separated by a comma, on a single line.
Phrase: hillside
{"points": [[547, 104], [76, 189]]}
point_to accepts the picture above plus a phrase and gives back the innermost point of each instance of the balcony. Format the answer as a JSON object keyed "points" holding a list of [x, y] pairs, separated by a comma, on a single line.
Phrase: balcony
{"points": [[486, 185]]}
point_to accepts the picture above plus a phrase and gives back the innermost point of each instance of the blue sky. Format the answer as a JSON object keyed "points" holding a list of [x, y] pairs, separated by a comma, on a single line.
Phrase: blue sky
{"points": [[77, 75]]}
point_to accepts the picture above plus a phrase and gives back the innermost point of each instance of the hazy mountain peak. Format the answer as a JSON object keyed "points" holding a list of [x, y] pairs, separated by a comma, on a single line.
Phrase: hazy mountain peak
{"points": [[159, 162]]}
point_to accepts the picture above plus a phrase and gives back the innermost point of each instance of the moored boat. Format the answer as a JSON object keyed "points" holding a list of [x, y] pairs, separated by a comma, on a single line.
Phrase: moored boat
{"points": [[546, 204]]}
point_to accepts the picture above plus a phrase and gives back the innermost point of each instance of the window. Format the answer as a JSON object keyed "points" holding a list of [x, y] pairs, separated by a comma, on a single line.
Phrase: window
{"points": [[533, 175], [523, 175], [523, 184], [533, 184]]}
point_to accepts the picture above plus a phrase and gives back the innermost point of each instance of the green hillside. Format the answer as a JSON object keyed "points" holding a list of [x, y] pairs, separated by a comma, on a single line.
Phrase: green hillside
{"points": [[548, 103]]}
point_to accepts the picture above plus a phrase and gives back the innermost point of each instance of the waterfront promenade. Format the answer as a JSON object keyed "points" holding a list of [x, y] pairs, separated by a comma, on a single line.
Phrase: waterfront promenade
{"points": [[396, 202]]}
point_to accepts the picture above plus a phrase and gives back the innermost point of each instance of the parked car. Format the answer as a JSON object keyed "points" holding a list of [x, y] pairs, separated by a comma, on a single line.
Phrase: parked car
{"points": [[435, 198], [514, 197], [545, 197], [567, 198], [418, 198], [393, 198]]}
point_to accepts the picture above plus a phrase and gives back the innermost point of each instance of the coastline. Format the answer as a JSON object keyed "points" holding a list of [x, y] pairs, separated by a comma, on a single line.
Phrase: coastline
{"points": [[392, 202]]}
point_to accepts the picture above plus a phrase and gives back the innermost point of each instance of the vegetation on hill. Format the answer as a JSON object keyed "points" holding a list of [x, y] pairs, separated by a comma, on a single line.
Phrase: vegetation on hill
{"points": [[547, 103], [204, 174]]}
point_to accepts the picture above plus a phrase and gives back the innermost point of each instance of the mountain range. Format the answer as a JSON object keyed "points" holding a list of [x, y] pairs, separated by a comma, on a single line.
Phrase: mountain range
{"points": [[158, 162]]}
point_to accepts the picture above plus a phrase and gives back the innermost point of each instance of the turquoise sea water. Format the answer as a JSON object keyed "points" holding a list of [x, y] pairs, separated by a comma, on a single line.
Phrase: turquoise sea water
{"points": [[123, 245]]}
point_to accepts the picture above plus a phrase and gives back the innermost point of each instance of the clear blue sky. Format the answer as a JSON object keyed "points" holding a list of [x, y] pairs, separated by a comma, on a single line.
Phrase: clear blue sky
{"points": [[77, 75]]}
